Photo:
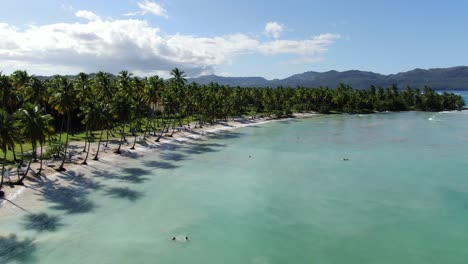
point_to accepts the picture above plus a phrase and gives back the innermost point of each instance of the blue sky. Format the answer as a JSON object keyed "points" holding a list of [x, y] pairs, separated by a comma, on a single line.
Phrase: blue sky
{"points": [[231, 38]]}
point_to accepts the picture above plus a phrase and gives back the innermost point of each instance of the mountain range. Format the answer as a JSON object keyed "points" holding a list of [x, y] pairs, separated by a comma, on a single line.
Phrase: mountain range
{"points": [[454, 78]]}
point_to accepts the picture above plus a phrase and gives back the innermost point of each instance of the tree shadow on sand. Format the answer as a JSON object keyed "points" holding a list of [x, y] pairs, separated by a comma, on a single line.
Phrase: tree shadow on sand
{"points": [[130, 154], [224, 135], [168, 146], [160, 165], [42, 222], [124, 193], [70, 199], [173, 156], [129, 175], [12, 248], [134, 175], [201, 148], [80, 180]]}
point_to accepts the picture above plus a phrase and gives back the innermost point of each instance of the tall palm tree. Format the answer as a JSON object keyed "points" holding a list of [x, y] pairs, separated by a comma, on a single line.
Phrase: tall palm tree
{"points": [[36, 92], [84, 93], [7, 139], [103, 120], [8, 96], [35, 126], [64, 101], [179, 77], [122, 107]]}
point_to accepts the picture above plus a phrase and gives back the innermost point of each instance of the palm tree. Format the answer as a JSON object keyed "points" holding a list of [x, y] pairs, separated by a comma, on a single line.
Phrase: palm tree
{"points": [[103, 120], [35, 126], [178, 77], [36, 92], [84, 92], [8, 97], [7, 139], [64, 101], [122, 106]]}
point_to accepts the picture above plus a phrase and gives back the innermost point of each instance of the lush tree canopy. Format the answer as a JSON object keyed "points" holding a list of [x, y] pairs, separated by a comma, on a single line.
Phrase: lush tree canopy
{"points": [[32, 108]]}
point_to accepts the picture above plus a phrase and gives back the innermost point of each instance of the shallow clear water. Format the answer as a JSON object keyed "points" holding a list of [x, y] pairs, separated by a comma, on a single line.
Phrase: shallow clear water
{"points": [[273, 193]]}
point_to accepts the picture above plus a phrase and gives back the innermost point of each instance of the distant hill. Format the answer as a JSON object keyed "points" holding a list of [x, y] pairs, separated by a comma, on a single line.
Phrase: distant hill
{"points": [[455, 78]]}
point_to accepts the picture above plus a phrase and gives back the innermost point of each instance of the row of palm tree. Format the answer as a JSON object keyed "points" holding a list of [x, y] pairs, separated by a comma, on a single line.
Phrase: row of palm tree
{"points": [[102, 106]]}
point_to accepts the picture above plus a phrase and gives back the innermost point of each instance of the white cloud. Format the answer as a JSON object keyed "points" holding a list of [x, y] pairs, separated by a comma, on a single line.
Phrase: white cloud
{"points": [[315, 45], [133, 44], [273, 29], [87, 15], [149, 7]]}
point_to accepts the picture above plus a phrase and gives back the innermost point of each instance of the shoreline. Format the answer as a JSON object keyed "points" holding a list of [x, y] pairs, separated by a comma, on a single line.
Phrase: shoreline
{"points": [[27, 199]]}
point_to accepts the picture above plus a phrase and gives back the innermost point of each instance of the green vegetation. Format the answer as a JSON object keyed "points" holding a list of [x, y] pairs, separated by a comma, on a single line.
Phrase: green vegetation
{"points": [[103, 107]]}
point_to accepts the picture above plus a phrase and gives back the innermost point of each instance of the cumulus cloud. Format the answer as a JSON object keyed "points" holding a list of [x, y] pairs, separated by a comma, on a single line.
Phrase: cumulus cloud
{"points": [[149, 7], [273, 29], [86, 15], [135, 45]]}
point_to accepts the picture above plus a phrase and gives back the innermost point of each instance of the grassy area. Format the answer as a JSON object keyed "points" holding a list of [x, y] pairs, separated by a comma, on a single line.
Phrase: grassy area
{"points": [[81, 136]]}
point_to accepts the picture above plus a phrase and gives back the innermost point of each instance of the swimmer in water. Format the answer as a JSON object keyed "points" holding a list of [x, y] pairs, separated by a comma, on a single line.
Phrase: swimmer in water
{"points": [[345, 159], [186, 238], [173, 238]]}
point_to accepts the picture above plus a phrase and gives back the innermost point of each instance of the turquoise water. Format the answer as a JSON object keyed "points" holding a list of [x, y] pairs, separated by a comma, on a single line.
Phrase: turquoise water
{"points": [[401, 198]]}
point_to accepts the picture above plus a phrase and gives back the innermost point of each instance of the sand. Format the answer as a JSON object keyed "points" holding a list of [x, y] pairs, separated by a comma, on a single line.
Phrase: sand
{"points": [[26, 199]]}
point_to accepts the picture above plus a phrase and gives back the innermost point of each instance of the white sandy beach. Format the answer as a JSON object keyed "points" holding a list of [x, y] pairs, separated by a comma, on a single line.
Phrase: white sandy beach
{"points": [[26, 199]]}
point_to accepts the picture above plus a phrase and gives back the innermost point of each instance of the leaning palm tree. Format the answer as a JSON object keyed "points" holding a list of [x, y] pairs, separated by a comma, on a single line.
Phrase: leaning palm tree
{"points": [[7, 139], [64, 101], [36, 127]]}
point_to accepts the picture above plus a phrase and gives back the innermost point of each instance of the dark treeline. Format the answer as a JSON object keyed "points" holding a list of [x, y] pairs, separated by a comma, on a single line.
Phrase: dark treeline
{"points": [[35, 111]]}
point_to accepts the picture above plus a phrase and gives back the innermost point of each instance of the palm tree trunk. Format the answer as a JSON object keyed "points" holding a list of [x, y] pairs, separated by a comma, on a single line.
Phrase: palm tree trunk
{"points": [[121, 140], [107, 139], [162, 132], [157, 125], [86, 140], [87, 154], [134, 142], [60, 135], [61, 168], [61, 129], [14, 155], [146, 128], [34, 149], [22, 152], [173, 127], [99, 146], [3, 172], [42, 158], [20, 182]]}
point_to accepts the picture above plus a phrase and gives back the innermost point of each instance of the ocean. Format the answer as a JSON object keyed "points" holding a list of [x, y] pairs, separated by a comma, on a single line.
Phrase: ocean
{"points": [[379, 188]]}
